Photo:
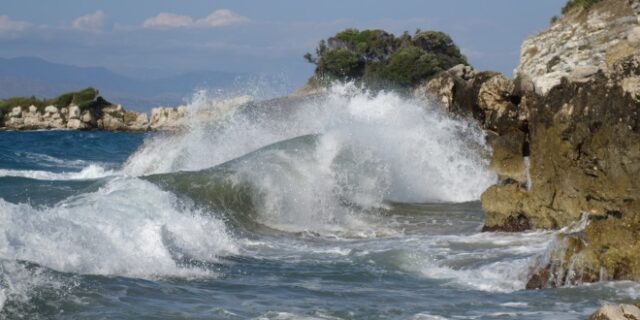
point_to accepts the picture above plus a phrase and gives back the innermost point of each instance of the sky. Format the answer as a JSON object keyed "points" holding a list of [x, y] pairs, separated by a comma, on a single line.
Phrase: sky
{"points": [[157, 38]]}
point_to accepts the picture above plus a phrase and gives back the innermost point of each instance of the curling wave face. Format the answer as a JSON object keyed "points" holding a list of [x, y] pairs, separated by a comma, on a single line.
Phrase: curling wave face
{"points": [[318, 166]]}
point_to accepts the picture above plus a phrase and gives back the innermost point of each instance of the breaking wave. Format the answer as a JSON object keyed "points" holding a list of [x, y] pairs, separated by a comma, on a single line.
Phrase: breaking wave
{"points": [[323, 163]]}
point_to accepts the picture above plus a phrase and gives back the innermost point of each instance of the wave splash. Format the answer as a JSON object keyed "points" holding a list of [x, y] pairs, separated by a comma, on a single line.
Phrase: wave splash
{"points": [[89, 172], [129, 227], [365, 150]]}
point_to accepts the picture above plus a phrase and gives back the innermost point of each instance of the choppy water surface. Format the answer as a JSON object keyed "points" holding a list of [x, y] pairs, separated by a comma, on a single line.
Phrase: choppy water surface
{"points": [[348, 206]]}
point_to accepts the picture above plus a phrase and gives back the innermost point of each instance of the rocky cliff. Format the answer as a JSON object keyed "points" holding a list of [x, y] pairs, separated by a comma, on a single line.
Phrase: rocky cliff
{"points": [[578, 87]]}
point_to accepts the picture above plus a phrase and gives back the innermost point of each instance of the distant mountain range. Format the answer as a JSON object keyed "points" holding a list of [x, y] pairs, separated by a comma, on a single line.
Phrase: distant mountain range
{"points": [[27, 76]]}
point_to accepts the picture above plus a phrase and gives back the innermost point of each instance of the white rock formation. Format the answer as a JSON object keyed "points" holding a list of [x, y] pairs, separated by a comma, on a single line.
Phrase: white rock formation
{"points": [[16, 112], [168, 118], [580, 44]]}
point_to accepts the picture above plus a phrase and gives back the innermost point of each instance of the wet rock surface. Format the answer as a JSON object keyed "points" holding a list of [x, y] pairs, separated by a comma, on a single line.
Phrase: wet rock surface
{"points": [[584, 132]]}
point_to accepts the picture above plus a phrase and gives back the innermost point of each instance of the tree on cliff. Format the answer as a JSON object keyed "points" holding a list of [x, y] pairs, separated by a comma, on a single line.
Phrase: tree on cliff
{"points": [[379, 59]]}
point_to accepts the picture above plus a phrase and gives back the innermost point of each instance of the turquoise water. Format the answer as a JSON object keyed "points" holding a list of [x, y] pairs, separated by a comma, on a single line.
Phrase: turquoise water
{"points": [[311, 216]]}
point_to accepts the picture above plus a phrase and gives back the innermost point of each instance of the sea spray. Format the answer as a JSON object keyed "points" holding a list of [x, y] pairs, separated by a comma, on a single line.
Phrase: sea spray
{"points": [[366, 149], [429, 155], [118, 230], [91, 171]]}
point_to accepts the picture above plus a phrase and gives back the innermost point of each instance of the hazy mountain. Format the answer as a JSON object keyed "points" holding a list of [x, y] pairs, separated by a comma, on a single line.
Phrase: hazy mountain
{"points": [[27, 76]]}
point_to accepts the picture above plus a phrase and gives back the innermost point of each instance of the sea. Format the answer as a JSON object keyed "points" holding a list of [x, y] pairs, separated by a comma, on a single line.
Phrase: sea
{"points": [[345, 205]]}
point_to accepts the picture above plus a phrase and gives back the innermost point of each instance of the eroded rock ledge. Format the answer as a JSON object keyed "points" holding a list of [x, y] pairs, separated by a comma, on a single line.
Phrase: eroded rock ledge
{"points": [[578, 87]]}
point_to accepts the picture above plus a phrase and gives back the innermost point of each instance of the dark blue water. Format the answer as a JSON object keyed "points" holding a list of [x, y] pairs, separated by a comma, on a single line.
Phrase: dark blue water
{"points": [[108, 243]]}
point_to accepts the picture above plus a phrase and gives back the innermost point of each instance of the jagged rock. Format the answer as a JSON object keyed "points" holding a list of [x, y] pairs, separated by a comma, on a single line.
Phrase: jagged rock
{"points": [[74, 112], [136, 121], [168, 118], [617, 312], [581, 44], [578, 86], [49, 110], [33, 118], [76, 124], [112, 121], [495, 97], [487, 97], [15, 123], [87, 117], [463, 71], [507, 159], [16, 112]]}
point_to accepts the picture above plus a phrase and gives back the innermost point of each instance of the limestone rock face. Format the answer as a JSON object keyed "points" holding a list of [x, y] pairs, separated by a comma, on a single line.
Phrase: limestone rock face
{"points": [[112, 121], [16, 112], [111, 117], [488, 97], [76, 124], [616, 312], [74, 112], [578, 87], [168, 118], [581, 44]]}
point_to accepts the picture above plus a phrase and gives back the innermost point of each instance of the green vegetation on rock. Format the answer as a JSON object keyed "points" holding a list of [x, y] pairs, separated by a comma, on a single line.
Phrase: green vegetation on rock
{"points": [[381, 60], [572, 4], [86, 98]]}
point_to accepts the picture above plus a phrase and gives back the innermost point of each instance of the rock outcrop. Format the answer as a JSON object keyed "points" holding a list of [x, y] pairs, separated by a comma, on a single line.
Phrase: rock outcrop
{"points": [[581, 44], [578, 87], [166, 117], [617, 312], [109, 117]]}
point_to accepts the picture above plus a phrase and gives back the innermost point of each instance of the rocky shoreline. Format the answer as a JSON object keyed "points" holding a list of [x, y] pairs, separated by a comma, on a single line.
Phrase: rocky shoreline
{"points": [[578, 88], [109, 117]]}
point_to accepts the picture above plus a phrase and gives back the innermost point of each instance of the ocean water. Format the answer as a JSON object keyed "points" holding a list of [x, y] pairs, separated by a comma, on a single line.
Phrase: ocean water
{"points": [[345, 206]]}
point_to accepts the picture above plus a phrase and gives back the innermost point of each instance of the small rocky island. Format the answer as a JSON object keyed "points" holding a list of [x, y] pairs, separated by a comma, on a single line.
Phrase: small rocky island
{"points": [[83, 110]]}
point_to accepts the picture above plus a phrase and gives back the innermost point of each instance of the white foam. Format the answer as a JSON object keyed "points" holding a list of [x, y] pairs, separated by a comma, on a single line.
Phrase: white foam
{"points": [[395, 148], [488, 262], [427, 316], [127, 228], [90, 172], [273, 315], [50, 161]]}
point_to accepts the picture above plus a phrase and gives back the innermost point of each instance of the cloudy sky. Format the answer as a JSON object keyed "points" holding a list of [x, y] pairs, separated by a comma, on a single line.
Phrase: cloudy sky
{"points": [[149, 38]]}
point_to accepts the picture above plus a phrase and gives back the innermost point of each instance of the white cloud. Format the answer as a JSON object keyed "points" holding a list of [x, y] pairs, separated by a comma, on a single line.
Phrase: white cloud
{"points": [[221, 18], [218, 18], [168, 20], [8, 25], [90, 21]]}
